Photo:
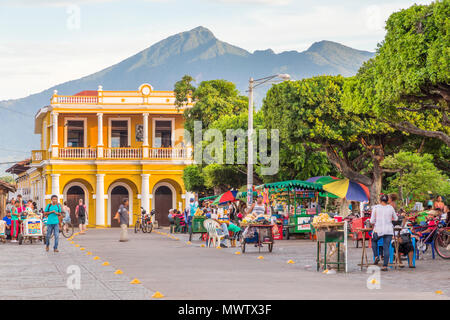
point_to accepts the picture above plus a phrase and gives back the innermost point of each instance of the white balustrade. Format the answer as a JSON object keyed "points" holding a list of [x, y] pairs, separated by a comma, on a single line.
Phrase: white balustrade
{"points": [[77, 99], [77, 153]]}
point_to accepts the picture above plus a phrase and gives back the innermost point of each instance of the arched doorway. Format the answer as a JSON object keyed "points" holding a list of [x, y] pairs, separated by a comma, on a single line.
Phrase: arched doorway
{"points": [[73, 195], [164, 199], [118, 194]]}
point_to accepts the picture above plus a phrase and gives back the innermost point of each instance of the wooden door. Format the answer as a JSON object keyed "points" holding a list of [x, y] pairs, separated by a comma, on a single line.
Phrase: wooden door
{"points": [[74, 194], [118, 194], [163, 203]]}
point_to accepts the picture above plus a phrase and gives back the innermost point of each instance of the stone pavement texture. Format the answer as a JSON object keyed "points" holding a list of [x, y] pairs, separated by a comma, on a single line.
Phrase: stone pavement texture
{"points": [[189, 271], [29, 272]]}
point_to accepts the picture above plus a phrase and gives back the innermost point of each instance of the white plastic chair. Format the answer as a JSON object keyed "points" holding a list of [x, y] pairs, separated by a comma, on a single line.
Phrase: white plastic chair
{"points": [[211, 227]]}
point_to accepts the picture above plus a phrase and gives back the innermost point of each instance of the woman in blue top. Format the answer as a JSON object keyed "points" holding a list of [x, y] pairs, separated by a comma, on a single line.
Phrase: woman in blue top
{"points": [[52, 212]]}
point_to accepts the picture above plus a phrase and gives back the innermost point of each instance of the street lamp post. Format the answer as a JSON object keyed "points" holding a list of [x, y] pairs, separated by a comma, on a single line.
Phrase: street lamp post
{"points": [[252, 84]]}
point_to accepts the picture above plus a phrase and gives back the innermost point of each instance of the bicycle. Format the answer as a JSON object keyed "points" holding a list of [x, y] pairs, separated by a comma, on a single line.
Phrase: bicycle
{"points": [[438, 238], [144, 222]]}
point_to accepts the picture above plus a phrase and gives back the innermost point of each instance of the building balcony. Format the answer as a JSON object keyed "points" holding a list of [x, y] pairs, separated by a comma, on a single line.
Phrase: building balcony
{"points": [[98, 153]]}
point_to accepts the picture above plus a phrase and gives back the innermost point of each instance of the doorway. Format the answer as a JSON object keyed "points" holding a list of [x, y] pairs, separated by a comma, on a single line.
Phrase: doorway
{"points": [[74, 194], [118, 194], [163, 203]]}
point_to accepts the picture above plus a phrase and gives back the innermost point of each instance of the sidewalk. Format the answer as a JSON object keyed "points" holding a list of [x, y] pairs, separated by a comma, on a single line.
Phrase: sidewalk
{"points": [[29, 272]]}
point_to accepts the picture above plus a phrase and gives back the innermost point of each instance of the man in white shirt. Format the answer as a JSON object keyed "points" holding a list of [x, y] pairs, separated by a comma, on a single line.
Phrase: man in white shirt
{"points": [[382, 217]]}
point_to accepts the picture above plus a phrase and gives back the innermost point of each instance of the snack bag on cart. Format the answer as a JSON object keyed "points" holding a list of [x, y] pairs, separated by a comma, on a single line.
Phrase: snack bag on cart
{"points": [[32, 227]]}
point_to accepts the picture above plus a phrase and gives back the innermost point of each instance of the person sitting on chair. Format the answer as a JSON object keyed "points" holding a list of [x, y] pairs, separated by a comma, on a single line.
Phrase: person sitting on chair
{"points": [[405, 243]]}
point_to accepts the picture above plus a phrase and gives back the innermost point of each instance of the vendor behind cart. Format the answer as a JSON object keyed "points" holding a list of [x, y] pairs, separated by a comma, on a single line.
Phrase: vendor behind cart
{"points": [[258, 207]]}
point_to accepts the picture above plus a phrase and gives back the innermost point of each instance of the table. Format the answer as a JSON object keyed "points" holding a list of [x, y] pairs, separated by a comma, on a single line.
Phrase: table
{"points": [[364, 252], [396, 261], [331, 233]]}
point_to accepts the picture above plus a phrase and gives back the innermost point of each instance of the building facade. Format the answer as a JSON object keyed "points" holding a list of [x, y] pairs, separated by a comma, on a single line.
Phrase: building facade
{"points": [[104, 146]]}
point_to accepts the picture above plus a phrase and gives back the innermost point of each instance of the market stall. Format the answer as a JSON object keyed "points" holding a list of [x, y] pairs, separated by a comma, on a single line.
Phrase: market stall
{"points": [[293, 203]]}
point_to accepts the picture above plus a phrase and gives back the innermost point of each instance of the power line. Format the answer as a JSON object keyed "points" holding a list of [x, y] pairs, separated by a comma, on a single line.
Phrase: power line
{"points": [[18, 112], [10, 150]]}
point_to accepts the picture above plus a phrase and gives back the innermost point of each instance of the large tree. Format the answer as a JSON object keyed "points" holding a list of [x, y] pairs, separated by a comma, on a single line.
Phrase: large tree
{"points": [[407, 83], [309, 113]]}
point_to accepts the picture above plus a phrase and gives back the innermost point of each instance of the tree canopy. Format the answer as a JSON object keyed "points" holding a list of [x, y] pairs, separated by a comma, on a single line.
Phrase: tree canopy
{"points": [[407, 83], [310, 117]]}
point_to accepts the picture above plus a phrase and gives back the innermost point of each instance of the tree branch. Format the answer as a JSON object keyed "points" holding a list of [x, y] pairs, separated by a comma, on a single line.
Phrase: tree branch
{"points": [[410, 128]]}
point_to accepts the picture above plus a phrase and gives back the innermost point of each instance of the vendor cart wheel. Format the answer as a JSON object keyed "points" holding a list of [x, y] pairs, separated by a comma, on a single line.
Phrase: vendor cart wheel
{"points": [[150, 227], [270, 247], [20, 238]]}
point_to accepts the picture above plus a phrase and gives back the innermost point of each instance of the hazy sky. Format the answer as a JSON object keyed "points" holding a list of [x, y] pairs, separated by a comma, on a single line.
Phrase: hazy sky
{"points": [[46, 42]]}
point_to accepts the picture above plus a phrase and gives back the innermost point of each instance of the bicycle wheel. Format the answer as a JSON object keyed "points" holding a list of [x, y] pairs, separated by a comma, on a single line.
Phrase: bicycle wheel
{"points": [[136, 226], [149, 227], [144, 227], [442, 244], [67, 230]]}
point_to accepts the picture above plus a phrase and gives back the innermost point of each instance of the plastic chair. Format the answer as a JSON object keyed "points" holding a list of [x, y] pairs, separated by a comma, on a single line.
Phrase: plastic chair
{"points": [[211, 227]]}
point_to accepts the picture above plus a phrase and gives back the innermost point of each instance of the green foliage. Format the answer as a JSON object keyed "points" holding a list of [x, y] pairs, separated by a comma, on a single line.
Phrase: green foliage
{"points": [[8, 179], [213, 99], [193, 178], [407, 83], [223, 176], [415, 176]]}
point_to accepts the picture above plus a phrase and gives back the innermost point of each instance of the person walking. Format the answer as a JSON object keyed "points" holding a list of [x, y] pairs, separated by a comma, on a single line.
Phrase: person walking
{"points": [[123, 216], [52, 212], [15, 222], [81, 214], [382, 217], [193, 206]]}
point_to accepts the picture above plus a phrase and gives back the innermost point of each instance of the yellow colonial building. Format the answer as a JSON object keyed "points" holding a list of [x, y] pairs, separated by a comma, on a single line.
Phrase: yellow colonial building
{"points": [[104, 146]]}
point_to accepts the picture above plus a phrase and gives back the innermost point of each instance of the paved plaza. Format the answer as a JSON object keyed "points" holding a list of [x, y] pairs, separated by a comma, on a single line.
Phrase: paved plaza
{"points": [[180, 270]]}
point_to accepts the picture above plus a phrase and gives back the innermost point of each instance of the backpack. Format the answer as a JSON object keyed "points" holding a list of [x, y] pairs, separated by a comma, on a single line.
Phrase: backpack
{"points": [[81, 211], [48, 206]]}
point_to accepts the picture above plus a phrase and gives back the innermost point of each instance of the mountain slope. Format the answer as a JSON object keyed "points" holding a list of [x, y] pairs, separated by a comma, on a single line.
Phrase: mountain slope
{"points": [[196, 52]]}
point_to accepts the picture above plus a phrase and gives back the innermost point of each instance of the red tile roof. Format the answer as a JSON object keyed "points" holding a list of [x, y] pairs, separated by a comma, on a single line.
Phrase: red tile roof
{"points": [[87, 93]]}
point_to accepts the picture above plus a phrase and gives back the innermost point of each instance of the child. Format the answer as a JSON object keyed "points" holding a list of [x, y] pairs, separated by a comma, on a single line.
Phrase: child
{"points": [[15, 222]]}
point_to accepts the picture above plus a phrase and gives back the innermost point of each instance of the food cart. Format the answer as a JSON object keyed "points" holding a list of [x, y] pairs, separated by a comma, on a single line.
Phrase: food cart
{"points": [[292, 193], [197, 226], [258, 234], [31, 230]]}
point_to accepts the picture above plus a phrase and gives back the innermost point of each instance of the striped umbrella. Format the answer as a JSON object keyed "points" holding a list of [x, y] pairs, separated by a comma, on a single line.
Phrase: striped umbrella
{"points": [[350, 190]]}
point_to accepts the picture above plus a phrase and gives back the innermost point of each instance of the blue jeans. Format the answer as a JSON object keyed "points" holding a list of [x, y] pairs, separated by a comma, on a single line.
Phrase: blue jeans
{"points": [[52, 228], [387, 238]]}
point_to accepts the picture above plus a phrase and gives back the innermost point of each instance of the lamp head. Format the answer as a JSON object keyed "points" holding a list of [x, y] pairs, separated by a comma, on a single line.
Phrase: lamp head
{"points": [[284, 76]]}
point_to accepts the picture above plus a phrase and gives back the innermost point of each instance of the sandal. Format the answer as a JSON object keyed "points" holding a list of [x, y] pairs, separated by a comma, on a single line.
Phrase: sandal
{"points": [[412, 267], [384, 269]]}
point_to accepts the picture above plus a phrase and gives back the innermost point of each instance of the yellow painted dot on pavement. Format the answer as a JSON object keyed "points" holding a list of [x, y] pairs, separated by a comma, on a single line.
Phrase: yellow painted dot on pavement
{"points": [[118, 271], [439, 292], [202, 246], [237, 252], [106, 263], [373, 281], [188, 242], [82, 249], [290, 262], [89, 253], [158, 295], [135, 281], [77, 245], [72, 242], [260, 257], [96, 258], [219, 247]]}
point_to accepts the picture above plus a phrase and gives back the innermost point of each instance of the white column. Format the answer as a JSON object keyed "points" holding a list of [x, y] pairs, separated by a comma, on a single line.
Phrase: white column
{"points": [[100, 201], [100, 135], [55, 185], [54, 134], [43, 190], [145, 192], [145, 142]]}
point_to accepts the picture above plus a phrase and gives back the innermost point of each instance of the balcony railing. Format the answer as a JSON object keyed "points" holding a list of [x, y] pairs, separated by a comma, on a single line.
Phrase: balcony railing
{"points": [[122, 153], [78, 153], [39, 155], [170, 153], [76, 99], [118, 153]]}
